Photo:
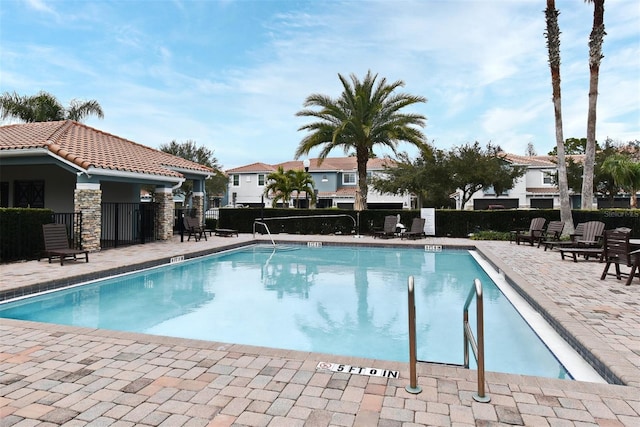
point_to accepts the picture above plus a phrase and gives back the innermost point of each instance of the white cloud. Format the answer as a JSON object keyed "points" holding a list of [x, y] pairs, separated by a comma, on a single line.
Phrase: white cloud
{"points": [[40, 6], [481, 64]]}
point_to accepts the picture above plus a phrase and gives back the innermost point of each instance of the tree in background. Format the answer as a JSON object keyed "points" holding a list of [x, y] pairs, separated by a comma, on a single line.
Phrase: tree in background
{"points": [[575, 169], [365, 115], [216, 185], [552, 34], [302, 181], [474, 169], [45, 107], [573, 146], [604, 183], [426, 177], [279, 187], [530, 150], [626, 174], [436, 173], [595, 56]]}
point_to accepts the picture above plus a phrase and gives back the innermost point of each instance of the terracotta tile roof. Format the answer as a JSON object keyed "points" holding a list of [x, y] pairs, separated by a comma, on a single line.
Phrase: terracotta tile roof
{"points": [[253, 167], [542, 161], [340, 192], [330, 164], [88, 147], [542, 190]]}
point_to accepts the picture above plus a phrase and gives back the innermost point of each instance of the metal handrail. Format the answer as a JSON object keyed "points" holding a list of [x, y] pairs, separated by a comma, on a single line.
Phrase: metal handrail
{"points": [[311, 216], [266, 228], [469, 340], [413, 386]]}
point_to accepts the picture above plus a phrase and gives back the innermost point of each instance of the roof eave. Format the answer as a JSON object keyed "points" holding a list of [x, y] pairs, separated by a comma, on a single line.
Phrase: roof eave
{"points": [[133, 175], [187, 171], [21, 152]]}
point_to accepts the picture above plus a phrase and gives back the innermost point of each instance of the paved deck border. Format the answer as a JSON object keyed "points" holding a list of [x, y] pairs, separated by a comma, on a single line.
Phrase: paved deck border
{"points": [[516, 399]]}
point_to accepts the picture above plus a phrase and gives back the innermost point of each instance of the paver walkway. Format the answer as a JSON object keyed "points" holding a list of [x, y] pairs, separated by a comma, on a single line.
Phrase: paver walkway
{"points": [[60, 375]]}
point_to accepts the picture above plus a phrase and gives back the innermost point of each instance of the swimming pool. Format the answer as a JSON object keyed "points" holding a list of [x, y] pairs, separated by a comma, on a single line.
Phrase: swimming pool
{"points": [[336, 300]]}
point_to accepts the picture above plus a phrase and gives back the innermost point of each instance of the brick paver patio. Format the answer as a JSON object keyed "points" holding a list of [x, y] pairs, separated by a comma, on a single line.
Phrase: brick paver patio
{"points": [[60, 375]]}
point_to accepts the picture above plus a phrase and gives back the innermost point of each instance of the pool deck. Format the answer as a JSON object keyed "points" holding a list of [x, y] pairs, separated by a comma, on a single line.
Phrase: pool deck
{"points": [[60, 375]]}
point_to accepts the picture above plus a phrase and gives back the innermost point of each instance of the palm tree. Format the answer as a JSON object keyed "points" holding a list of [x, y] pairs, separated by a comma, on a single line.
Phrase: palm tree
{"points": [[553, 45], [279, 185], [595, 56], [366, 114], [625, 173], [302, 181], [45, 107]]}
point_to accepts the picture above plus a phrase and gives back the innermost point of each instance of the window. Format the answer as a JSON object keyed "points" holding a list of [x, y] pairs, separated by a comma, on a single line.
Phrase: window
{"points": [[547, 178], [235, 179], [260, 179], [28, 194], [349, 178]]}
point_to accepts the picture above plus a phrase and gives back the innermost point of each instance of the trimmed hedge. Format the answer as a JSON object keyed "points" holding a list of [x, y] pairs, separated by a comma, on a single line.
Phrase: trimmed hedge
{"points": [[21, 229], [449, 223], [21, 232]]}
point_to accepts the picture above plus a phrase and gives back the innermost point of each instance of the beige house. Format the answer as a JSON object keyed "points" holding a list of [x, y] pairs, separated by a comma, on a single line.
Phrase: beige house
{"points": [[69, 167]]}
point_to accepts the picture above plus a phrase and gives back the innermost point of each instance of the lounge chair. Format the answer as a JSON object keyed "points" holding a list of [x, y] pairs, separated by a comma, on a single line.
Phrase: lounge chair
{"points": [[572, 242], [194, 228], [552, 233], [617, 251], [416, 231], [56, 244], [588, 243], [225, 232], [584, 251], [388, 228], [592, 234], [533, 234]]}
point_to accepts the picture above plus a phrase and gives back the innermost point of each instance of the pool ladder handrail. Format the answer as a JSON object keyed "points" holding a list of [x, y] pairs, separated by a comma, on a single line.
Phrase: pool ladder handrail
{"points": [[470, 341], [266, 228], [356, 223]]}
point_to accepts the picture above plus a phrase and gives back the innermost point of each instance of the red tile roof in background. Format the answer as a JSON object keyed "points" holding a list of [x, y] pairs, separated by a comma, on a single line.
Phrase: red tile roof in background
{"points": [[87, 147], [328, 164], [543, 161]]}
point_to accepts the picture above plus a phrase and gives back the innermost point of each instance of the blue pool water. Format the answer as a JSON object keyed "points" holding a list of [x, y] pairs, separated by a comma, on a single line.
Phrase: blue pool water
{"points": [[337, 300]]}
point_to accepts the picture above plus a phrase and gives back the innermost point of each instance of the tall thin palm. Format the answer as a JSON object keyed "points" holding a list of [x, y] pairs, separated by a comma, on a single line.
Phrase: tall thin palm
{"points": [[366, 114], [625, 173], [44, 107], [553, 44], [279, 187], [302, 181], [595, 56]]}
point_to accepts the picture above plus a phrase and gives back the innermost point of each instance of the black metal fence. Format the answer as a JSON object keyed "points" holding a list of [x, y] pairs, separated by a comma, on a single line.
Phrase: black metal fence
{"points": [[73, 221], [128, 224]]}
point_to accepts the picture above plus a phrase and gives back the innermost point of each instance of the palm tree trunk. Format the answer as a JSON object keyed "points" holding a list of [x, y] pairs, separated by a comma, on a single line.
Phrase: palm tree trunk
{"points": [[362, 156], [553, 44], [595, 55]]}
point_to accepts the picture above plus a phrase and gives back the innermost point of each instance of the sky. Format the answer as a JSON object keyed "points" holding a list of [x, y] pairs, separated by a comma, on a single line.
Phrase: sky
{"points": [[232, 74]]}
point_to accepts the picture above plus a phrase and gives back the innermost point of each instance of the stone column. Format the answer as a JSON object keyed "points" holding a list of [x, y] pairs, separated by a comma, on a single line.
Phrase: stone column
{"points": [[164, 220], [198, 205], [87, 199]]}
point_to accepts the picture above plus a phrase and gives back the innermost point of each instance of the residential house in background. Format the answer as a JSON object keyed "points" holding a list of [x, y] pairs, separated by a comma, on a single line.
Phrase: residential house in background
{"points": [[534, 190], [335, 181]]}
